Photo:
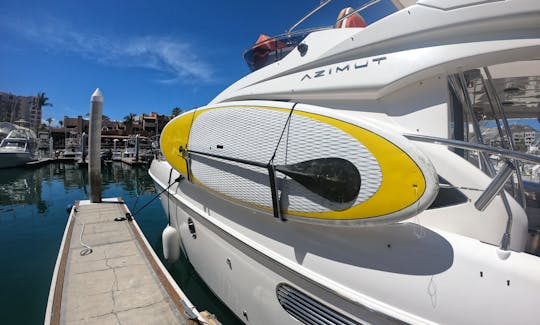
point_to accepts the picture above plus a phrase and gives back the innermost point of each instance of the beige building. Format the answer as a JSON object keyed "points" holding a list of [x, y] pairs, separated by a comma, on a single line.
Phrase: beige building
{"points": [[20, 109]]}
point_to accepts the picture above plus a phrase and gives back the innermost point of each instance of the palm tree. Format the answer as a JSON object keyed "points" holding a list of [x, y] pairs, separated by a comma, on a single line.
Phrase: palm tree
{"points": [[128, 119], [49, 120], [61, 123], [176, 111], [42, 101]]}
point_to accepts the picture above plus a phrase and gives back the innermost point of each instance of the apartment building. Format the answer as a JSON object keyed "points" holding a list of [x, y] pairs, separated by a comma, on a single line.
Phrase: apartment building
{"points": [[22, 110]]}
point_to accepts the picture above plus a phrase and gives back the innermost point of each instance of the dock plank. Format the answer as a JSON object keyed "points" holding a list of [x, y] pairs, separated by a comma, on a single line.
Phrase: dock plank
{"points": [[119, 282]]}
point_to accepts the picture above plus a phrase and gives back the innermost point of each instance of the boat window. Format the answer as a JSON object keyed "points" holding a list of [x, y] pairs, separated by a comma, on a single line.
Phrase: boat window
{"points": [[499, 106], [268, 50], [15, 144]]}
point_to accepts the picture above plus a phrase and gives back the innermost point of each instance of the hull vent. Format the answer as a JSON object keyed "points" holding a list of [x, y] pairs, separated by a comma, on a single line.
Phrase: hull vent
{"points": [[308, 310]]}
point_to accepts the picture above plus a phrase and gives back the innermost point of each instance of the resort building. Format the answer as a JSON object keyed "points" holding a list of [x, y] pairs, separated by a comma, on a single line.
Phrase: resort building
{"points": [[23, 110]]}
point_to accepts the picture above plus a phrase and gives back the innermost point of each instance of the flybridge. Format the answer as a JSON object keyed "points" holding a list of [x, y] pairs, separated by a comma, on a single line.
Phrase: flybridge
{"points": [[343, 68]]}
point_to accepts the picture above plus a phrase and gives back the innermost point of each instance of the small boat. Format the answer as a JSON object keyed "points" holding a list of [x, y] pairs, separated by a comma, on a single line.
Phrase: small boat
{"points": [[18, 148], [117, 155], [73, 148], [349, 178]]}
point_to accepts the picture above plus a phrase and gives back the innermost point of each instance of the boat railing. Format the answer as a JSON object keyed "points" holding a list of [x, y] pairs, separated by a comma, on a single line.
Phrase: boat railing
{"points": [[323, 4], [357, 10], [459, 84], [273, 49], [499, 179]]}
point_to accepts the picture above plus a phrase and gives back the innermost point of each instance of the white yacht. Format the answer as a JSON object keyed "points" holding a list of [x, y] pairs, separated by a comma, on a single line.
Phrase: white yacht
{"points": [[425, 76], [18, 148]]}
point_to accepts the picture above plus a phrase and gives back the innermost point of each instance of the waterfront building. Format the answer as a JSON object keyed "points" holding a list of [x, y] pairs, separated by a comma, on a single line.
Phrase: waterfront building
{"points": [[146, 125], [150, 123], [523, 134], [15, 108], [76, 124]]}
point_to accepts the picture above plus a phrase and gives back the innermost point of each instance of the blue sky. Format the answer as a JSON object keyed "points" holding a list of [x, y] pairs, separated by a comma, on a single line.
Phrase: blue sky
{"points": [[144, 55]]}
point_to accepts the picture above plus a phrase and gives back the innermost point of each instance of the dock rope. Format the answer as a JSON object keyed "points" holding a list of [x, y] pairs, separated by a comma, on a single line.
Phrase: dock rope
{"points": [[177, 180], [88, 250], [139, 194]]}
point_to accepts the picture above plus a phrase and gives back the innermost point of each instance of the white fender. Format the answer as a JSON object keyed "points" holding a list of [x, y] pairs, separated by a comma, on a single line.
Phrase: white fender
{"points": [[171, 244]]}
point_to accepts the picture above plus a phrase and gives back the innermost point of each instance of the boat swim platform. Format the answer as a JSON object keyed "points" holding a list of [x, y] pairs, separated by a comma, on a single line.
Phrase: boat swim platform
{"points": [[107, 273]]}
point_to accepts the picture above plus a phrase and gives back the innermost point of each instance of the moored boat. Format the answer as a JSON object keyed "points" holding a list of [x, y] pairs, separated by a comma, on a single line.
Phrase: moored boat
{"points": [[18, 148], [422, 78]]}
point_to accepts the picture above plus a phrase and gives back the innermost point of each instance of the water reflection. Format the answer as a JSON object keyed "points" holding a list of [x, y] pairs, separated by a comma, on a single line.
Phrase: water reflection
{"points": [[33, 218], [23, 187]]}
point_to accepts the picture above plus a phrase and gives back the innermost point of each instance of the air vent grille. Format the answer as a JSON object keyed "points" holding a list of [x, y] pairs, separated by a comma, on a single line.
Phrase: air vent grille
{"points": [[308, 310]]}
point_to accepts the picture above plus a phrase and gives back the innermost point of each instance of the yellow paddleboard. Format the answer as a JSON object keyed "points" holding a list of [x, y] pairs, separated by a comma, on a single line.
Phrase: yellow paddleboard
{"points": [[390, 180]]}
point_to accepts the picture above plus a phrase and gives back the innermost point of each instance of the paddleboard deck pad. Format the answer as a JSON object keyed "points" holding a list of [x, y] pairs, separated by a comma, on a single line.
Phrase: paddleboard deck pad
{"points": [[328, 167]]}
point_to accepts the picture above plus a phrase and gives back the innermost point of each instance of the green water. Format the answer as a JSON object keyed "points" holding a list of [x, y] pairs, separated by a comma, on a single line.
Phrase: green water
{"points": [[32, 220]]}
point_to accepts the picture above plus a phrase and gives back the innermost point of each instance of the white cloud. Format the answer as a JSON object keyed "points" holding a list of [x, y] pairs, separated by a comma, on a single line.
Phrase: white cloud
{"points": [[176, 59]]}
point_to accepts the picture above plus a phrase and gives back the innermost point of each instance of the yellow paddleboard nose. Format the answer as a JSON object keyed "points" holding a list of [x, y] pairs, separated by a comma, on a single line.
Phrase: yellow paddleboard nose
{"points": [[174, 136]]}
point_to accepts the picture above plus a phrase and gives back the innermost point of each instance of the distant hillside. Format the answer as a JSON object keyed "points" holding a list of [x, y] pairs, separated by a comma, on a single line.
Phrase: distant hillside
{"points": [[532, 122]]}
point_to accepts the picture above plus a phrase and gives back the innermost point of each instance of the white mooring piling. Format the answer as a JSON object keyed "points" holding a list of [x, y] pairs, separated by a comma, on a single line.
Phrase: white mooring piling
{"points": [[94, 146]]}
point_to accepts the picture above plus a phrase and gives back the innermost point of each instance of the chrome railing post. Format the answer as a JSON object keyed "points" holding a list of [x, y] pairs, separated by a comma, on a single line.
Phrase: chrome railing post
{"points": [[491, 92], [498, 181], [495, 186]]}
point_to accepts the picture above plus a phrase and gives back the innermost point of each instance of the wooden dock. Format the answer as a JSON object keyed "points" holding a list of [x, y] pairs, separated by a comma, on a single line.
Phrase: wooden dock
{"points": [[107, 273], [46, 161], [133, 162]]}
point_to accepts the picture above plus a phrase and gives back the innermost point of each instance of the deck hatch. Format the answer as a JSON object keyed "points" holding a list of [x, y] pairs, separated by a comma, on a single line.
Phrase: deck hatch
{"points": [[308, 310]]}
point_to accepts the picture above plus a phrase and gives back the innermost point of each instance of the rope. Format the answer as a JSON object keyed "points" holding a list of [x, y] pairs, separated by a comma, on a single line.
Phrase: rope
{"points": [[169, 198], [178, 179], [272, 172], [88, 250], [419, 231], [432, 291], [271, 161], [138, 196]]}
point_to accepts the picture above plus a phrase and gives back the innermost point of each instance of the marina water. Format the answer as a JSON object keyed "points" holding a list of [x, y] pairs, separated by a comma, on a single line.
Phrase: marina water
{"points": [[33, 216]]}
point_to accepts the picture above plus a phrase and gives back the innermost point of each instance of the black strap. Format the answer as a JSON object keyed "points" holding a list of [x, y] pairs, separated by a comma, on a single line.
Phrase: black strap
{"points": [[272, 172]]}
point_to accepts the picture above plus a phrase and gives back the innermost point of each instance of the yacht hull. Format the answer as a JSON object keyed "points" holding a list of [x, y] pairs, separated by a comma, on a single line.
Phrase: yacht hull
{"points": [[385, 274], [14, 159]]}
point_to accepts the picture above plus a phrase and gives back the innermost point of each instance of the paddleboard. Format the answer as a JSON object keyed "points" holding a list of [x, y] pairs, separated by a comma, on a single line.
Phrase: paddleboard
{"points": [[393, 179]]}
